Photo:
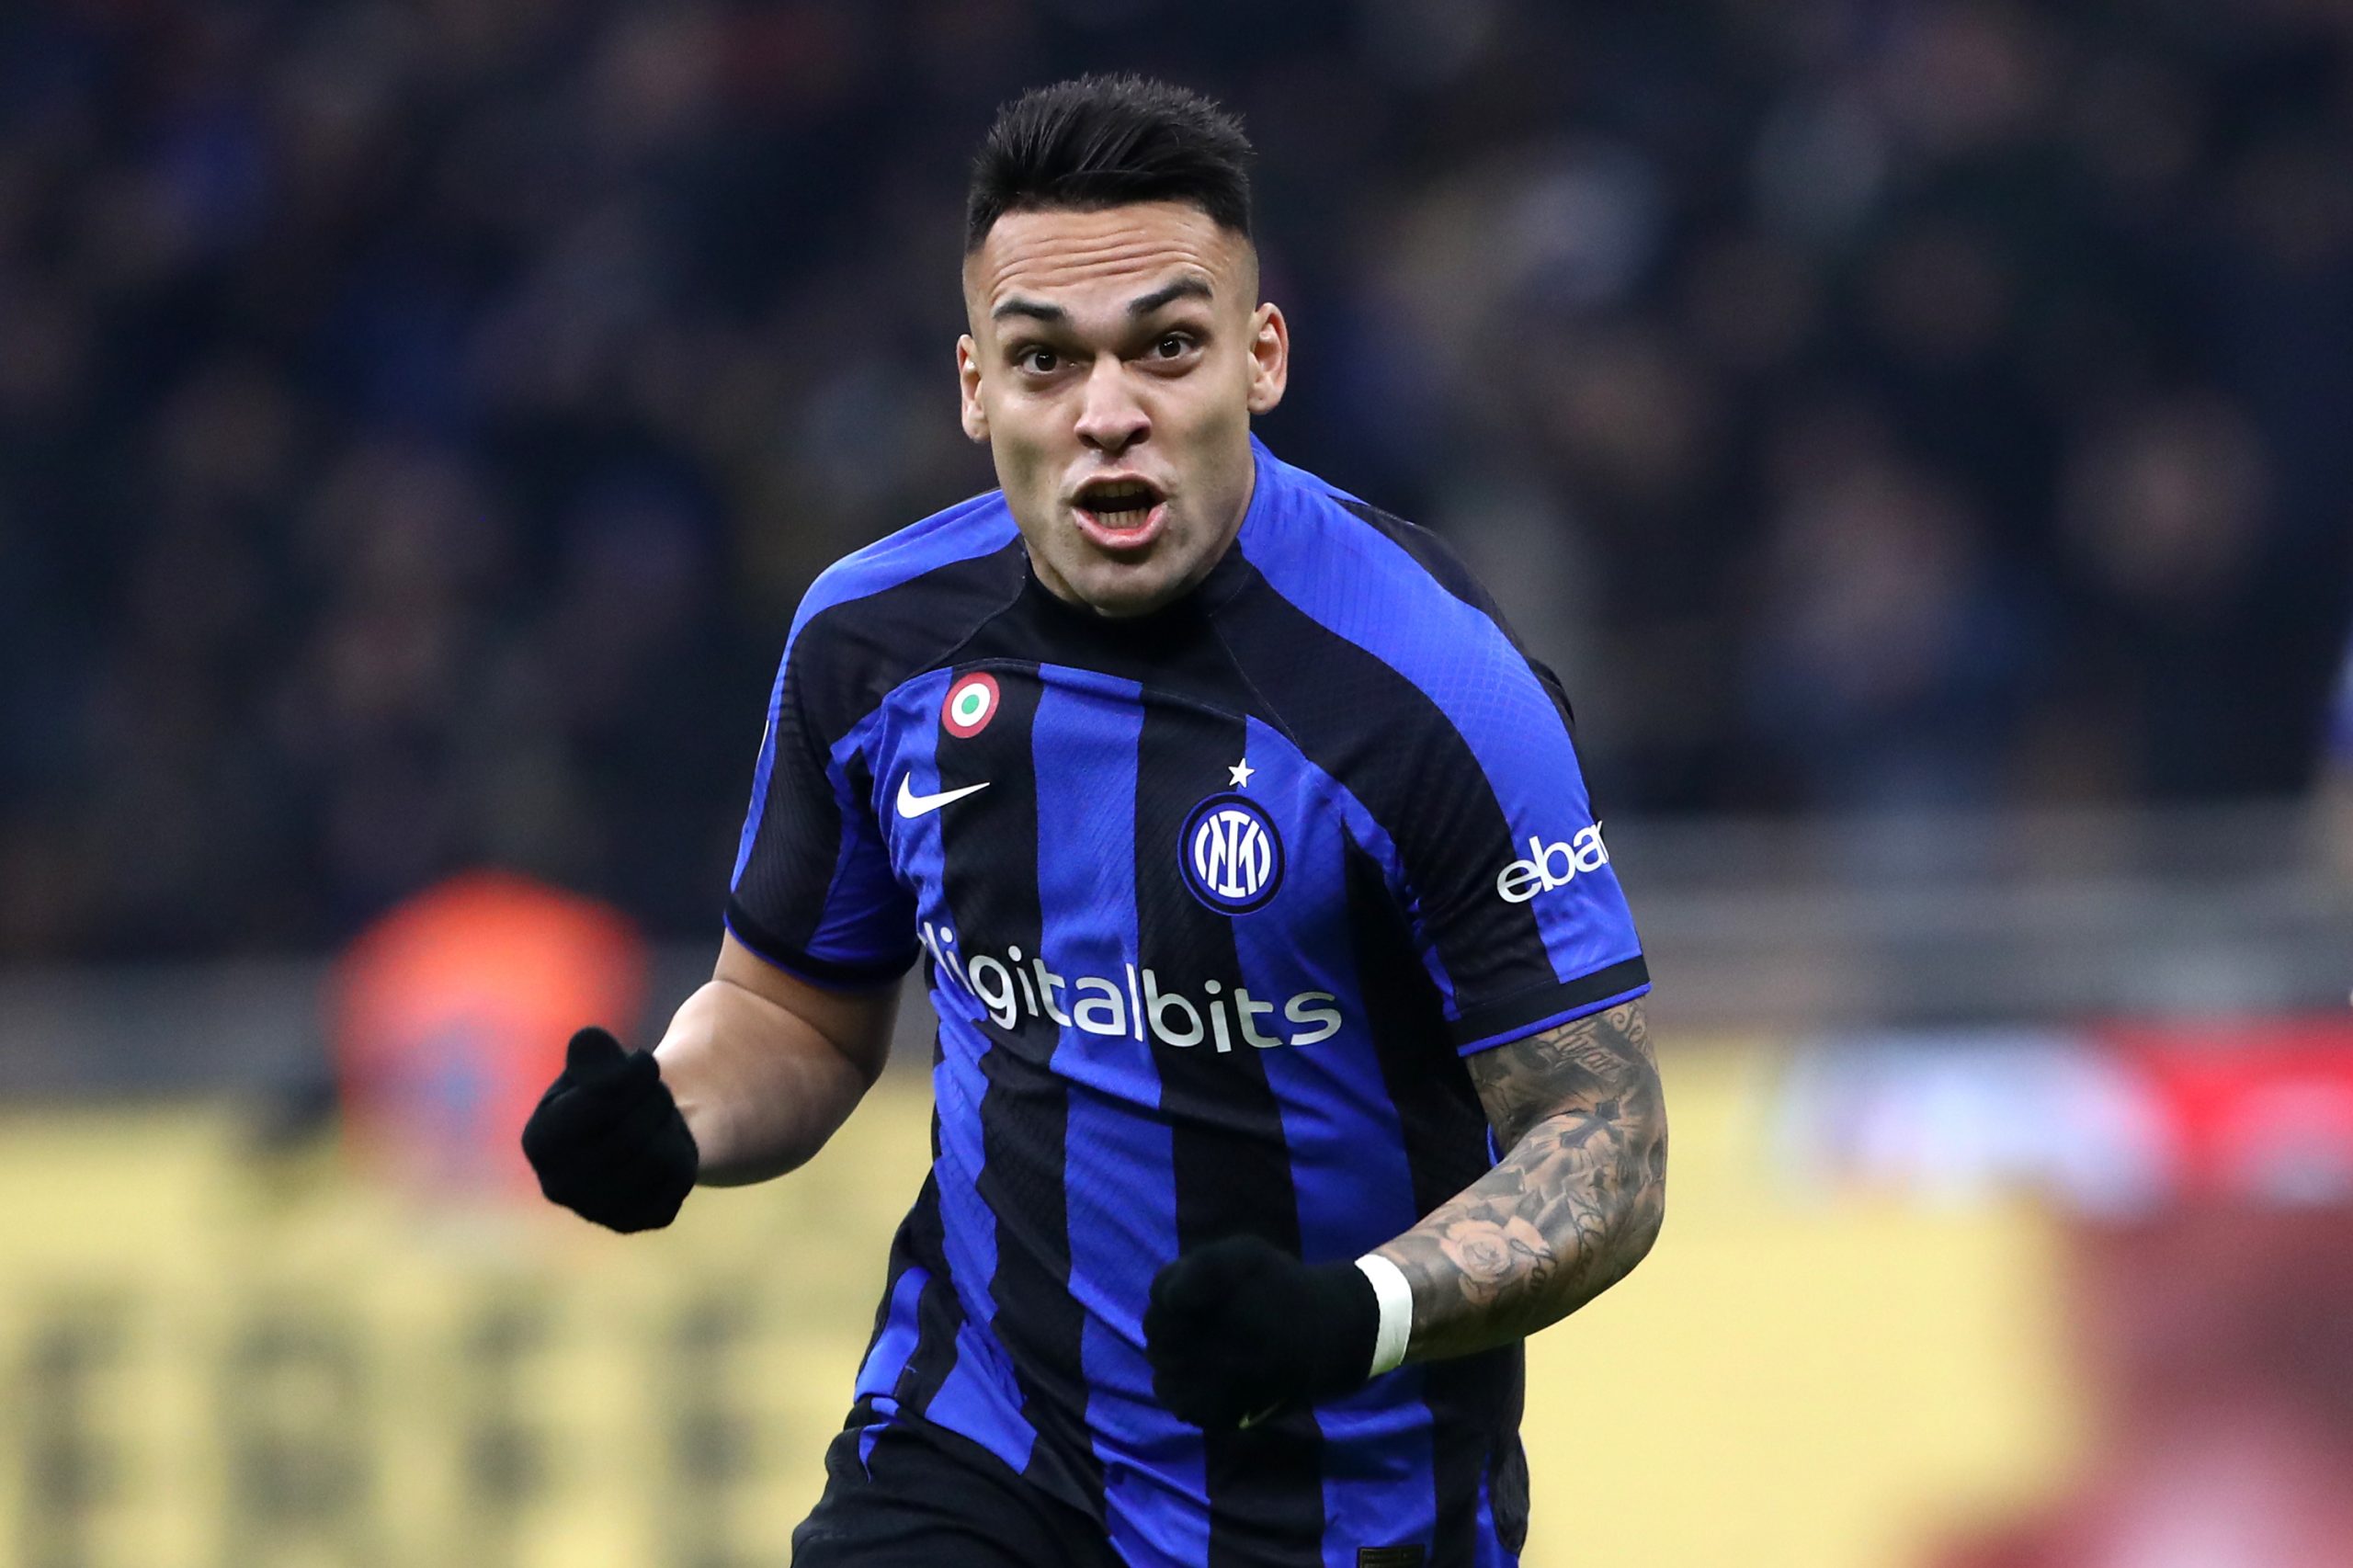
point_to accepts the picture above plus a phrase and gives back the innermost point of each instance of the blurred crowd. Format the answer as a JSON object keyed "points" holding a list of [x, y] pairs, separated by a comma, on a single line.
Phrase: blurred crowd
{"points": [[419, 420]]}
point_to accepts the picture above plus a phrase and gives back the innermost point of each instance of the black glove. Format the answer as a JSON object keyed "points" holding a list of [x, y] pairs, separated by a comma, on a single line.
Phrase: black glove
{"points": [[608, 1140], [1240, 1327]]}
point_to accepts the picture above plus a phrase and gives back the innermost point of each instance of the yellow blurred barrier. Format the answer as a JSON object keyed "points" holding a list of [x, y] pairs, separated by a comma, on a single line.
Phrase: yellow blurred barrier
{"points": [[216, 1357]]}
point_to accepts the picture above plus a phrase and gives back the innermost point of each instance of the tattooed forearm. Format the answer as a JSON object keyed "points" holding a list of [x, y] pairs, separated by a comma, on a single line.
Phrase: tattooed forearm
{"points": [[1572, 1207]]}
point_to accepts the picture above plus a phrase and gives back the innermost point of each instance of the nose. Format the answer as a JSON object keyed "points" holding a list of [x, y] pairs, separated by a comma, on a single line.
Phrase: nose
{"points": [[1111, 420]]}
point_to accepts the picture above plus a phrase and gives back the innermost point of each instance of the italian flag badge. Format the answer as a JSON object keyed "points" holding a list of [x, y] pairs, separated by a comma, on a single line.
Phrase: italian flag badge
{"points": [[971, 703]]}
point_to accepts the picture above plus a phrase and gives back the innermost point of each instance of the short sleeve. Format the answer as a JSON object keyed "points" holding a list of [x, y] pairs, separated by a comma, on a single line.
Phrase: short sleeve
{"points": [[812, 891], [1456, 745], [1538, 933]]}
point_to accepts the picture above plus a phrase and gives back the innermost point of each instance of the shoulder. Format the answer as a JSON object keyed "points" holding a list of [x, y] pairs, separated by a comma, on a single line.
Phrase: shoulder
{"points": [[1316, 543], [1358, 598], [1368, 575], [959, 548], [893, 609]]}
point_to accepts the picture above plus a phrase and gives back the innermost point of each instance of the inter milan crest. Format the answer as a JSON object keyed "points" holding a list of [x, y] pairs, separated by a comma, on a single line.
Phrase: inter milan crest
{"points": [[1232, 858], [971, 703]]}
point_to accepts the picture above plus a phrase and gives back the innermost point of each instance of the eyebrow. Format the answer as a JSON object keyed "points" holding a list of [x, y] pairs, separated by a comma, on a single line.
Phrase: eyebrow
{"points": [[1168, 293], [1141, 305]]}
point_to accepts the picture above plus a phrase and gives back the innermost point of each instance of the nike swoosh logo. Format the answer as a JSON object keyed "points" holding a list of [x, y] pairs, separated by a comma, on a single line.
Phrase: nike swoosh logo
{"points": [[914, 805]]}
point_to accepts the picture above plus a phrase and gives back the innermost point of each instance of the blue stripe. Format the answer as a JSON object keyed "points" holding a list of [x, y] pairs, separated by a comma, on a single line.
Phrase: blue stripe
{"points": [[972, 1402], [1120, 1175], [1349, 1162], [762, 770], [965, 531], [1358, 584], [969, 1225], [866, 915], [887, 1358], [1348, 1167], [869, 1433]]}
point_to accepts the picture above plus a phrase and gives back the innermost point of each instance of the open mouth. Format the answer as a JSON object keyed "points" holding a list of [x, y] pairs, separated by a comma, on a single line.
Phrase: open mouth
{"points": [[1120, 512]]}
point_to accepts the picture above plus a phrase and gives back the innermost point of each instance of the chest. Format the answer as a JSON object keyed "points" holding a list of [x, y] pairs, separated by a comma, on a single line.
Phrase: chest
{"points": [[1073, 807]]}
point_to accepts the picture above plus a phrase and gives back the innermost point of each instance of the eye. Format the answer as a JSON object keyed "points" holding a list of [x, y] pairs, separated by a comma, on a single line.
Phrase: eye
{"points": [[1037, 360], [1173, 346]]}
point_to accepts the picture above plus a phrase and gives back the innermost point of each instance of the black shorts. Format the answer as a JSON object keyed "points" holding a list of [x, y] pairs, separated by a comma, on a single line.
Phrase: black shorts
{"points": [[923, 1497]]}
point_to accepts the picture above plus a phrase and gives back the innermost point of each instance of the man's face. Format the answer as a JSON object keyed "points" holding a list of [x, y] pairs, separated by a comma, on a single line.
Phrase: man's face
{"points": [[1114, 361]]}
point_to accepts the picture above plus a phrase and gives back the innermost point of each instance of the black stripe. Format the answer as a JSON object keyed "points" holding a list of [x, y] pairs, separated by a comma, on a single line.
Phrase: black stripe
{"points": [[990, 844], [1507, 1486], [1173, 650], [1444, 1127], [1445, 1134], [1476, 1404], [862, 648], [939, 1316], [1538, 1002], [1232, 1166], [906, 1251], [1435, 556]]}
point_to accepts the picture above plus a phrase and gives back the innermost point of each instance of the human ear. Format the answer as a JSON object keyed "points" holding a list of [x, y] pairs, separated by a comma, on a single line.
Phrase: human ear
{"points": [[1269, 357], [974, 417]]}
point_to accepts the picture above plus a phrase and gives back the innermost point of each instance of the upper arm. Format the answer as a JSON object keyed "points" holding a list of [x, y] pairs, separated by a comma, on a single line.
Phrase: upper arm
{"points": [[1599, 1067], [855, 1023]]}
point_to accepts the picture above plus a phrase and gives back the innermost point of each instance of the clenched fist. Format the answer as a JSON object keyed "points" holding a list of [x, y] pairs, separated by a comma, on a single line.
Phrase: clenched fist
{"points": [[1239, 1328], [606, 1138]]}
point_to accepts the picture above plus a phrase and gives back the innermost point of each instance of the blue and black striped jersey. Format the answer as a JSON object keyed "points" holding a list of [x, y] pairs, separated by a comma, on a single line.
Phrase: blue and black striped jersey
{"points": [[1211, 903]]}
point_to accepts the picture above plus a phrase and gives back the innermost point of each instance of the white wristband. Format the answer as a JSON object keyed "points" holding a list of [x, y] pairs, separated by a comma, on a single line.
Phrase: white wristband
{"points": [[1396, 1299]]}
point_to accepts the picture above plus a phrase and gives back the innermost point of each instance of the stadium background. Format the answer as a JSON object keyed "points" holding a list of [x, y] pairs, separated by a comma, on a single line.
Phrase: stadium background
{"points": [[1916, 431]]}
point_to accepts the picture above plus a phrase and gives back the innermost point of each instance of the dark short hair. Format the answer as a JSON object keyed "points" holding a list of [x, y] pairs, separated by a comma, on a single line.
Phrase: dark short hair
{"points": [[1098, 141]]}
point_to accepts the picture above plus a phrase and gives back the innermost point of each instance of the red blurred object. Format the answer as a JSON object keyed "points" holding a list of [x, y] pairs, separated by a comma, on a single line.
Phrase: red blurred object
{"points": [[2200, 1171], [2256, 1108], [2119, 1119], [450, 1015]]}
